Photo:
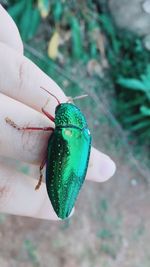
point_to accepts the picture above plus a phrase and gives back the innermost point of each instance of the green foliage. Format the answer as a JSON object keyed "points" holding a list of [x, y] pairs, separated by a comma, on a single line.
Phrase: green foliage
{"points": [[140, 121], [35, 23], [16, 10], [57, 11], [130, 70], [27, 16], [145, 111], [143, 84], [110, 31], [76, 37]]}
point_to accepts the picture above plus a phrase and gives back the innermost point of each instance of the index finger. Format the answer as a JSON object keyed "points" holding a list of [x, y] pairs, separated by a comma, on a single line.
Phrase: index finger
{"points": [[10, 36], [22, 80]]}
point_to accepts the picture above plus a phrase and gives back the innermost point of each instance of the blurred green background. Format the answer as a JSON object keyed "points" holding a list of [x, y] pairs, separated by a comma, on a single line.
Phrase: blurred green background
{"points": [[78, 44]]}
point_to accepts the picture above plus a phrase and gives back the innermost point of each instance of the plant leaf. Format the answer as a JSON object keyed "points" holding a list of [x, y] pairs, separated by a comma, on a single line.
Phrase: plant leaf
{"points": [[44, 8], [16, 10], [57, 11], [132, 84], [26, 20], [53, 45], [76, 38], [140, 126], [35, 23], [145, 110]]}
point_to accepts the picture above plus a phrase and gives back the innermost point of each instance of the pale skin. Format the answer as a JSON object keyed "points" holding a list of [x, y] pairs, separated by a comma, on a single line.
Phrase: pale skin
{"points": [[21, 100]]}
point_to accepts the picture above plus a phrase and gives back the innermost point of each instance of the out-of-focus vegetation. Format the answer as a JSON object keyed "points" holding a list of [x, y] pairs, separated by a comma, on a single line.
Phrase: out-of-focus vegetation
{"points": [[130, 70], [80, 36]]}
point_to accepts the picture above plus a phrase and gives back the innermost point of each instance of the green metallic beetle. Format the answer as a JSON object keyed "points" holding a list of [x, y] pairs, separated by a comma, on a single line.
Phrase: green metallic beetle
{"points": [[67, 158]]}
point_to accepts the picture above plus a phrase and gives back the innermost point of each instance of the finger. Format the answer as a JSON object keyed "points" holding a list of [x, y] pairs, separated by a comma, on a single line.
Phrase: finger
{"points": [[24, 81], [9, 33], [18, 197], [101, 167]]}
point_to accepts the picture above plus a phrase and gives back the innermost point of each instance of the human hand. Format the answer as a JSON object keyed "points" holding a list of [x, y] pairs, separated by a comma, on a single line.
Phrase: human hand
{"points": [[21, 99]]}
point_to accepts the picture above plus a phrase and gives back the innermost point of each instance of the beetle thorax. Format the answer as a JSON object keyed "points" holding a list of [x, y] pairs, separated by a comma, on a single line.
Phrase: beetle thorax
{"points": [[68, 114]]}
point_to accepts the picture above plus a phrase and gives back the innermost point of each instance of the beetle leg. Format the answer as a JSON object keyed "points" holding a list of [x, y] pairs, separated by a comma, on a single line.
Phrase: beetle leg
{"points": [[48, 115], [14, 125], [41, 174]]}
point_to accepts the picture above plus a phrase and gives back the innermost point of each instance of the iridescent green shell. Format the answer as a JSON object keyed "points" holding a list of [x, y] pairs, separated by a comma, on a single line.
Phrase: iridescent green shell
{"points": [[68, 156]]}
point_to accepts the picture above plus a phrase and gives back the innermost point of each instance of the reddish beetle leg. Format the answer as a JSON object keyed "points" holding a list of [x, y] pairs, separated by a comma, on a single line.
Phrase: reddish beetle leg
{"points": [[14, 125], [41, 174], [49, 116]]}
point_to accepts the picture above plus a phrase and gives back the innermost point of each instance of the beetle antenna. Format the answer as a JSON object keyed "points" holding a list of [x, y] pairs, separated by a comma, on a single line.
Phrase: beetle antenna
{"points": [[50, 94], [79, 97], [76, 97]]}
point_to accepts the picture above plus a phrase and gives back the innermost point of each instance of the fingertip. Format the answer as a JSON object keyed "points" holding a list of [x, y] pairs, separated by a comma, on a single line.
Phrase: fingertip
{"points": [[107, 168], [101, 167]]}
